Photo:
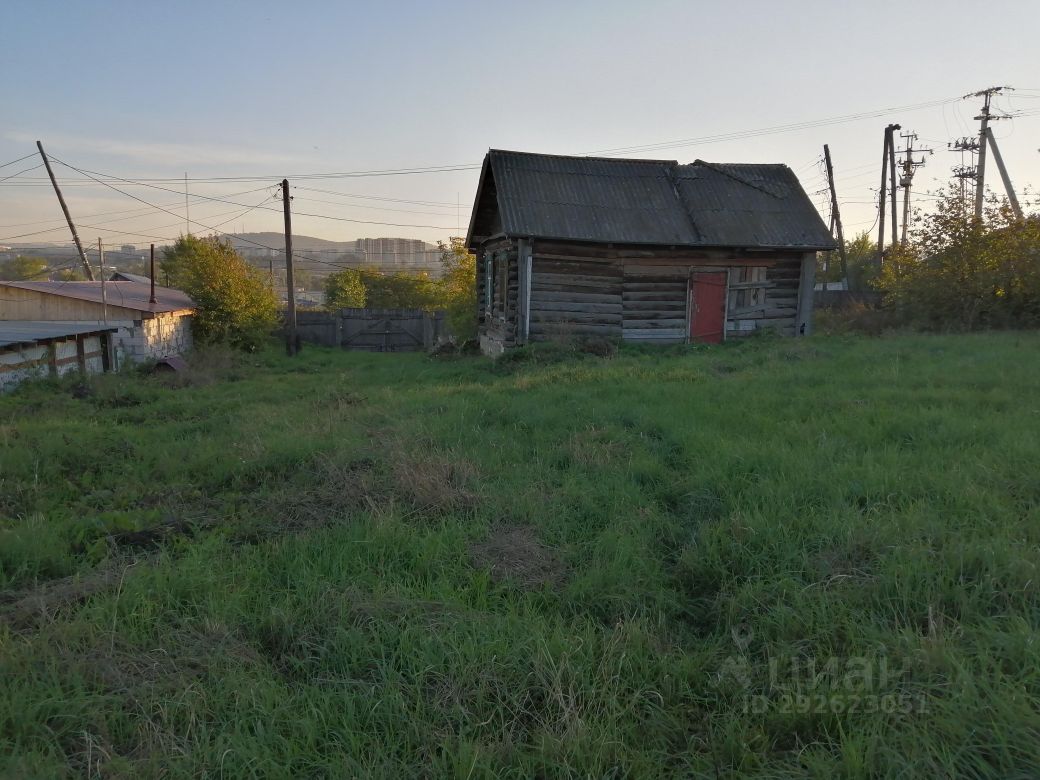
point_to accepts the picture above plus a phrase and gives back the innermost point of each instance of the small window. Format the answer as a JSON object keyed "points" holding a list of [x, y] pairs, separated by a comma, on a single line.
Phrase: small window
{"points": [[747, 288], [488, 277], [503, 286]]}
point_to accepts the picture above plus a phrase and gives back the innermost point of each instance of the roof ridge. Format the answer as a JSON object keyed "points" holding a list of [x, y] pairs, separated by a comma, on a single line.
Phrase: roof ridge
{"points": [[670, 172], [651, 161], [717, 167]]}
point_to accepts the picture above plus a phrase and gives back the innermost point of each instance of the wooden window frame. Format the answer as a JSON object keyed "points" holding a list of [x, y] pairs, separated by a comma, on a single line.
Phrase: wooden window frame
{"points": [[489, 290], [748, 291]]}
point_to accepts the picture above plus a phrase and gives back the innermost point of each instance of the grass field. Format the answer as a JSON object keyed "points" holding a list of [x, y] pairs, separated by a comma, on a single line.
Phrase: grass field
{"points": [[778, 558]]}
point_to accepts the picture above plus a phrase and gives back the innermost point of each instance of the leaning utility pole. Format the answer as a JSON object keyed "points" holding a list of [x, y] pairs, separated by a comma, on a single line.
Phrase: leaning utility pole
{"points": [[65, 210], [292, 345], [836, 214], [984, 135], [1012, 199]]}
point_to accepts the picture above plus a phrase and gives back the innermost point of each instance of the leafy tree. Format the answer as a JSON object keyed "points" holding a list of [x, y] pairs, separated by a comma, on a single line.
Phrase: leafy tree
{"points": [[345, 290], [959, 272], [73, 274], [458, 288], [861, 253], [23, 268], [233, 301], [400, 290]]}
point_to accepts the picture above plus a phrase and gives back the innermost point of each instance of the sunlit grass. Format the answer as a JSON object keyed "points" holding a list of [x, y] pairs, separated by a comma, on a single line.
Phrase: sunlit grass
{"points": [[767, 559]]}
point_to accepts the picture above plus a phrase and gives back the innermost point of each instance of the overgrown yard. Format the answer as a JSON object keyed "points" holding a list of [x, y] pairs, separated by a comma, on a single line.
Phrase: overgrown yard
{"points": [[766, 559]]}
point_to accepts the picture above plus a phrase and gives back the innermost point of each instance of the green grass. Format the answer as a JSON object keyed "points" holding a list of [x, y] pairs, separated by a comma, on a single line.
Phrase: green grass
{"points": [[771, 559]]}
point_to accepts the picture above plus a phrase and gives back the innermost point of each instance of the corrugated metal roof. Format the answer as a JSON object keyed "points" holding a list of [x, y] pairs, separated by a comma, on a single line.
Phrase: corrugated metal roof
{"points": [[659, 202], [16, 332], [129, 295]]}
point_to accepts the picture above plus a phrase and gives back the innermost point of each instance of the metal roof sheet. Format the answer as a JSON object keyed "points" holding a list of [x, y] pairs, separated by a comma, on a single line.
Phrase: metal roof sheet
{"points": [[16, 332], [658, 202], [129, 295]]}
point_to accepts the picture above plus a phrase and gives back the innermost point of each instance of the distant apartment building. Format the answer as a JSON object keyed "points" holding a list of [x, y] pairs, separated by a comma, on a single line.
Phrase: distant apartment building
{"points": [[405, 254]]}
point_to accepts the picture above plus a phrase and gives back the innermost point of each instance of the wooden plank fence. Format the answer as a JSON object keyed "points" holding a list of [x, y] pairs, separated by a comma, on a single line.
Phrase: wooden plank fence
{"points": [[373, 330]]}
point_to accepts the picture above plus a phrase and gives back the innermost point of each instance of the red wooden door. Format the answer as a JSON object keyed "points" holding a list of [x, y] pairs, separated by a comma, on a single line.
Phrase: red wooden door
{"points": [[707, 307]]}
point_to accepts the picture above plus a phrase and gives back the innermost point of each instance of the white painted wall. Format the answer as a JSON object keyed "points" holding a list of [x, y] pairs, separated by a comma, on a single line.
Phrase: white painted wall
{"points": [[18, 364]]}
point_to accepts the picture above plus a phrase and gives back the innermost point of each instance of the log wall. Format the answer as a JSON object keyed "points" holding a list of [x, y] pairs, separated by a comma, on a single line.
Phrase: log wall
{"points": [[498, 321], [636, 295]]}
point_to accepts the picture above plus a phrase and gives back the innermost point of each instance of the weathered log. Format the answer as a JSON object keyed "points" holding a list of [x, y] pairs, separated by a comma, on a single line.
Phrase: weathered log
{"points": [[573, 306], [584, 297], [558, 316], [654, 324]]}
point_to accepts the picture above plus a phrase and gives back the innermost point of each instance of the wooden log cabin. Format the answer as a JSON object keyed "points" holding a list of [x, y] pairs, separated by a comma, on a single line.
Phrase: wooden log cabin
{"points": [[642, 250]]}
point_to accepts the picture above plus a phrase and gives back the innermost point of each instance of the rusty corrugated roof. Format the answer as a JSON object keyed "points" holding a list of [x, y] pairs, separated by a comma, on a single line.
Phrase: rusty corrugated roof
{"points": [[129, 295], [651, 202]]}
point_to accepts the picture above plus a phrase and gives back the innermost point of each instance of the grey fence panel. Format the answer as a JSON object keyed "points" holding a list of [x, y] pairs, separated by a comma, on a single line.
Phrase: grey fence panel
{"points": [[373, 330]]}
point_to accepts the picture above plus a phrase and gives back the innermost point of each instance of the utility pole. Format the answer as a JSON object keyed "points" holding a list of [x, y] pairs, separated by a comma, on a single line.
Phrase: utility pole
{"points": [[888, 174], [151, 266], [881, 197], [1012, 199], [964, 172], [65, 210], [101, 265], [292, 345], [187, 215], [836, 215], [892, 178], [908, 166], [984, 135]]}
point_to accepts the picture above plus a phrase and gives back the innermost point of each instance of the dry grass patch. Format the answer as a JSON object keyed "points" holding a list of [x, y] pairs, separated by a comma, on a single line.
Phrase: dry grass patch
{"points": [[514, 553], [22, 608]]}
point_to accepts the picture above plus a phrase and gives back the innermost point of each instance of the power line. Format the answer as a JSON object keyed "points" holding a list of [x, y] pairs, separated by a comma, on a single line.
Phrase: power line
{"points": [[375, 197], [12, 162], [94, 174], [771, 130], [313, 176], [134, 213], [33, 168]]}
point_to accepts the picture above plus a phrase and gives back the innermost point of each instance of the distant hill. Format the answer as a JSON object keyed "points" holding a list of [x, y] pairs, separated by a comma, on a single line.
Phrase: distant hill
{"points": [[277, 241]]}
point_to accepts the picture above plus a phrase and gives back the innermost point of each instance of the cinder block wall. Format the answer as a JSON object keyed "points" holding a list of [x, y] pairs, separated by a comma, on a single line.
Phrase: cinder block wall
{"points": [[159, 337]]}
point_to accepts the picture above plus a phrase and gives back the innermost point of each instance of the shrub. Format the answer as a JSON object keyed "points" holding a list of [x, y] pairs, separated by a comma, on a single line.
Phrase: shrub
{"points": [[963, 273], [234, 304]]}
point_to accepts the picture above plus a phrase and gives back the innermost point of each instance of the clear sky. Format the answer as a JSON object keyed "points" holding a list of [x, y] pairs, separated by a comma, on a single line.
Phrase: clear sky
{"points": [[263, 89]]}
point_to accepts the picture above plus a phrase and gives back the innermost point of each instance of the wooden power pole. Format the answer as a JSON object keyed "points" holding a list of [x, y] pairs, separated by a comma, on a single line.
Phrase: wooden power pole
{"points": [[151, 275], [888, 174], [68, 217], [292, 345], [1012, 198], [881, 198], [101, 266], [836, 214], [892, 182]]}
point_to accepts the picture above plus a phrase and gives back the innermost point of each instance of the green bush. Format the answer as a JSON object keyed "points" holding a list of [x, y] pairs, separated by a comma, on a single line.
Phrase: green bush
{"points": [[962, 273], [234, 304]]}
